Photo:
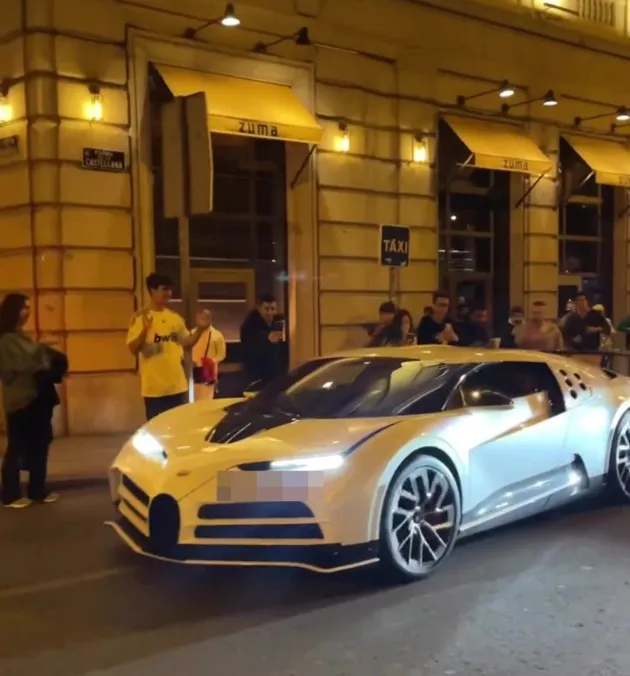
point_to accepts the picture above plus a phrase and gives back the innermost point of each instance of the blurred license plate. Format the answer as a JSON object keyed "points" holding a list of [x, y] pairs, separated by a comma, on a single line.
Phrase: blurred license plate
{"points": [[268, 486]]}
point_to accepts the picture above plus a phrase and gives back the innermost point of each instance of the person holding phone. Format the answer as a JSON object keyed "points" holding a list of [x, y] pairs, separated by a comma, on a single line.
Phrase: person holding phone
{"points": [[158, 337], [262, 337], [437, 328]]}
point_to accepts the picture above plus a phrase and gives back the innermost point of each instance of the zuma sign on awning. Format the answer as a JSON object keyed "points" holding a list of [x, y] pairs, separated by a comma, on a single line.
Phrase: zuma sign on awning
{"points": [[103, 160], [251, 128], [394, 242]]}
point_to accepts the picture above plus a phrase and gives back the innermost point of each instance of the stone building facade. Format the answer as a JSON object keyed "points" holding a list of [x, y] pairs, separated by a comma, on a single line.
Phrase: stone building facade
{"points": [[391, 90]]}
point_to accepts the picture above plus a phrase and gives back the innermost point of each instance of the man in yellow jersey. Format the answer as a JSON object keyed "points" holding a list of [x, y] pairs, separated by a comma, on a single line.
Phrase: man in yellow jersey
{"points": [[158, 336]]}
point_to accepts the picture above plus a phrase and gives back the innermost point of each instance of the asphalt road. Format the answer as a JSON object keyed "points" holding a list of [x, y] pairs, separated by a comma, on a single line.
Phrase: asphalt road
{"points": [[551, 596]]}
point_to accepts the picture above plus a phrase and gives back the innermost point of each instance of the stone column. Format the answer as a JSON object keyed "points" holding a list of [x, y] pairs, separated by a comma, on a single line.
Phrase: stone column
{"points": [[66, 231]]}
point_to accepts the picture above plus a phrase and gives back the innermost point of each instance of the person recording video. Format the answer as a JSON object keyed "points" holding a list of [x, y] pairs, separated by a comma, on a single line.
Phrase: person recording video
{"points": [[262, 341]]}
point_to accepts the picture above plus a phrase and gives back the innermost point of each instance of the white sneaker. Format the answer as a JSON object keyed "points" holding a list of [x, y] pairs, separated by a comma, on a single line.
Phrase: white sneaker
{"points": [[51, 497], [20, 504]]}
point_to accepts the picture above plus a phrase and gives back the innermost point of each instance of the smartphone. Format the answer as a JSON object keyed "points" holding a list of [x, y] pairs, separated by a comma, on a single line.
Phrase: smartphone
{"points": [[278, 326]]}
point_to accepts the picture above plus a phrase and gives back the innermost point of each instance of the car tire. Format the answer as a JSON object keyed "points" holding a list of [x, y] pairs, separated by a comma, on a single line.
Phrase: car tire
{"points": [[419, 521], [618, 480]]}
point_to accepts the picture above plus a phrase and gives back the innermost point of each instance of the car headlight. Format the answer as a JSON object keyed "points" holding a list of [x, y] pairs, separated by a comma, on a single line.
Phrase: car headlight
{"points": [[319, 462], [148, 446]]}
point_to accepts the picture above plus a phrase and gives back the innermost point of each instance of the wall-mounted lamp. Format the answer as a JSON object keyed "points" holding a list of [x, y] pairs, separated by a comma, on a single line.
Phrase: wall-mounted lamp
{"points": [[342, 141], [550, 6], [621, 115], [6, 109], [301, 39], [549, 100], [229, 19], [420, 151], [505, 90], [94, 105]]}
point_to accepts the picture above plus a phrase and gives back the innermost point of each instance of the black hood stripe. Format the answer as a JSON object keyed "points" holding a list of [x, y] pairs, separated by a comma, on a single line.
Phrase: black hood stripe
{"points": [[369, 436]]}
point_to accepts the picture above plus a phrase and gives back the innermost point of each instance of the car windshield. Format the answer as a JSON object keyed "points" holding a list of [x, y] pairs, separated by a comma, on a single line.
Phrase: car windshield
{"points": [[353, 388]]}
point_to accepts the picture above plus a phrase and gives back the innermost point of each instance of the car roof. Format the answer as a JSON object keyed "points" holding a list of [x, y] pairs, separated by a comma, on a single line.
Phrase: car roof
{"points": [[445, 354]]}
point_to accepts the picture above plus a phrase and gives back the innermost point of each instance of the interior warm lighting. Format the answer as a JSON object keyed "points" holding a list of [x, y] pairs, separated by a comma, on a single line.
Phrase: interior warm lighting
{"points": [[6, 110], [230, 19], [623, 115], [550, 100], [420, 150], [506, 90], [94, 106], [342, 143]]}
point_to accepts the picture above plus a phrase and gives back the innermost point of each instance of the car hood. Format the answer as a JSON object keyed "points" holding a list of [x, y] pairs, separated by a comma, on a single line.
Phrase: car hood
{"points": [[191, 462], [182, 434], [300, 438], [182, 430]]}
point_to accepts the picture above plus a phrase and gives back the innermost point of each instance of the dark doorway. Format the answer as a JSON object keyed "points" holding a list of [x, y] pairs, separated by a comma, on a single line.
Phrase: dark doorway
{"points": [[474, 232]]}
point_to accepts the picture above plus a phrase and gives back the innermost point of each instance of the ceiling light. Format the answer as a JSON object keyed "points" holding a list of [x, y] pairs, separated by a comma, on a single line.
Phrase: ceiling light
{"points": [[549, 99], [506, 90], [229, 18], [622, 114]]}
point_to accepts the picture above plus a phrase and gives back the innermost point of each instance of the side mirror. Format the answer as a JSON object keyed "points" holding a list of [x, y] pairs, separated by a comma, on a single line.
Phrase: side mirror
{"points": [[488, 398]]}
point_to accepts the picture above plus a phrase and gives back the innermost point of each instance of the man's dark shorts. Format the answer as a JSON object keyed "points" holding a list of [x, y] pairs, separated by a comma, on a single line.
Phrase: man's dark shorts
{"points": [[154, 406]]}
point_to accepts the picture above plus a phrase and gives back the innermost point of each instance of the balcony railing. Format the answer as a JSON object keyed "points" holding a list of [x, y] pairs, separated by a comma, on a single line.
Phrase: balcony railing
{"points": [[599, 11], [602, 12]]}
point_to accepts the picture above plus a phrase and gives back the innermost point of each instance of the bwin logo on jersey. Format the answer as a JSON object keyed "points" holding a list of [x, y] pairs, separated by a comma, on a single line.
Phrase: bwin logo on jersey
{"points": [[163, 339]]}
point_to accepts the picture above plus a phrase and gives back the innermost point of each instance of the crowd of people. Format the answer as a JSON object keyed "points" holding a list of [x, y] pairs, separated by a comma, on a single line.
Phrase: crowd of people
{"points": [[582, 329], [160, 340]]}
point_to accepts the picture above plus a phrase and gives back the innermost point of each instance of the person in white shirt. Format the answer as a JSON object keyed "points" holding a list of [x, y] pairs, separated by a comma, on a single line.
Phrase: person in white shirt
{"points": [[207, 353]]}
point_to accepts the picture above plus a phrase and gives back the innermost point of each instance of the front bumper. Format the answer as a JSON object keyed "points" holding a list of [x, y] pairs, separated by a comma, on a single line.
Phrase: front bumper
{"points": [[280, 534], [325, 558]]}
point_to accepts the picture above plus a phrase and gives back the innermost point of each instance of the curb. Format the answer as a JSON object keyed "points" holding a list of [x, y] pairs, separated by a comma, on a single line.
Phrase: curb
{"points": [[62, 483]]}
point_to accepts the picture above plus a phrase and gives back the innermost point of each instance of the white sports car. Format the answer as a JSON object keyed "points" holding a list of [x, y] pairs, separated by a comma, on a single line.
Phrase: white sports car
{"points": [[372, 456]]}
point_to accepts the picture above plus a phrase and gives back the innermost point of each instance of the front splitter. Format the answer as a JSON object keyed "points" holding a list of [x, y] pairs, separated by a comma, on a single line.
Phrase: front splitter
{"points": [[341, 558]]}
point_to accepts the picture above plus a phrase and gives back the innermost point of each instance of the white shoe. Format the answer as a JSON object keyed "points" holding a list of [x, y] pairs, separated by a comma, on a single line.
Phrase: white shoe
{"points": [[20, 503]]}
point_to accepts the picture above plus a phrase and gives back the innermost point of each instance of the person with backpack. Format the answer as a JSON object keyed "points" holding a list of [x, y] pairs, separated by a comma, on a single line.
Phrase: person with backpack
{"points": [[29, 372]]}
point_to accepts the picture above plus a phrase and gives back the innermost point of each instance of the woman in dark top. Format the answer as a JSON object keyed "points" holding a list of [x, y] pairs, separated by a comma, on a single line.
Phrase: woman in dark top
{"points": [[28, 373], [400, 331]]}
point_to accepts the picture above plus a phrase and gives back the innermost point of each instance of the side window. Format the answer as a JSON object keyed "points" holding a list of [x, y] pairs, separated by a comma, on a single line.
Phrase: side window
{"points": [[511, 380], [504, 379]]}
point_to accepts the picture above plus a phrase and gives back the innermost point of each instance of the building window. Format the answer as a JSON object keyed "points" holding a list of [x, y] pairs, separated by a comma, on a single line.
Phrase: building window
{"points": [[586, 226], [238, 250]]}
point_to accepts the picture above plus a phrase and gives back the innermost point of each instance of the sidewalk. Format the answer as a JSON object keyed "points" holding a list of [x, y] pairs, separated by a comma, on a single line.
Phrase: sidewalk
{"points": [[80, 461]]}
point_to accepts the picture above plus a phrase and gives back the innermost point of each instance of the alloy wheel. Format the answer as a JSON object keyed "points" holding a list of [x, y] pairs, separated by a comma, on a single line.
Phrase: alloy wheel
{"points": [[622, 455], [422, 519]]}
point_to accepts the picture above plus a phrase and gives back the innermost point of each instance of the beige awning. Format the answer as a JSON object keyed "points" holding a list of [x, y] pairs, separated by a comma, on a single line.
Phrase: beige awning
{"points": [[609, 160], [499, 146], [246, 107]]}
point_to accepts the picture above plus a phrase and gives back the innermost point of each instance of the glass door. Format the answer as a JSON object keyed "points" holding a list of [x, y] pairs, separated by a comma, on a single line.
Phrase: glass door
{"points": [[229, 294], [475, 290]]}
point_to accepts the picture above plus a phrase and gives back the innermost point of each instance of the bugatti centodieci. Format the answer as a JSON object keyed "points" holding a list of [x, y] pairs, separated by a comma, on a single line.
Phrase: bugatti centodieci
{"points": [[375, 456]]}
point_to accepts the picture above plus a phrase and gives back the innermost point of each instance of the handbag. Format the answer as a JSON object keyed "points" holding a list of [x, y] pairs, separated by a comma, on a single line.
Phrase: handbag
{"points": [[206, 374]]}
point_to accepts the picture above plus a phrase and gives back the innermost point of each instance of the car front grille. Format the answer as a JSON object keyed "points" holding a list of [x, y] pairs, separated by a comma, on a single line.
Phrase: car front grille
{"points": [[283, 521], [134, 504]]}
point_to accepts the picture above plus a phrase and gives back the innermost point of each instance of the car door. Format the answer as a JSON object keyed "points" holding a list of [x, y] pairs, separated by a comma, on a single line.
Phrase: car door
{"points": [[519, 437]]}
